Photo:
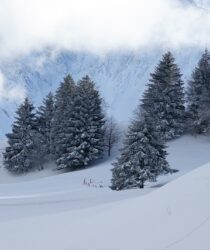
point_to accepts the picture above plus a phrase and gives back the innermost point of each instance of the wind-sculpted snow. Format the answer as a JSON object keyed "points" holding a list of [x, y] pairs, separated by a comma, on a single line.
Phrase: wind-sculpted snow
{"points": [[47, 191], [174, 217]]}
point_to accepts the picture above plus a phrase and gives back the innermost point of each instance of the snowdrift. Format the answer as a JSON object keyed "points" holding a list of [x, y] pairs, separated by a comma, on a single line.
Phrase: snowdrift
{"points": [[175, 217]]}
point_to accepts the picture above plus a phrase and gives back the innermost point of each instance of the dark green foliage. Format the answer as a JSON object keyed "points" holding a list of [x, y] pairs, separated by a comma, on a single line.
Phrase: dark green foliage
{"points": [[198, 97], [62, 131], [20, 154], [142, 159], [164, 99], [45, 116], [78, 124], [87, 127]]}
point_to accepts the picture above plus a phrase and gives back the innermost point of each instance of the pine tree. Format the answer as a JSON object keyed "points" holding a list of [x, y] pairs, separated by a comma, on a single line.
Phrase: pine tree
{"points": [[45, 115], [62, 127], [19, 156], [198, 97], [143, 157], [88, 131], [164, 99]]}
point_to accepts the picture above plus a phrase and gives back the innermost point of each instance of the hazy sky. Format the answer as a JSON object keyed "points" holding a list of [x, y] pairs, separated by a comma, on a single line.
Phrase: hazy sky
{"points": [[99, 25]]}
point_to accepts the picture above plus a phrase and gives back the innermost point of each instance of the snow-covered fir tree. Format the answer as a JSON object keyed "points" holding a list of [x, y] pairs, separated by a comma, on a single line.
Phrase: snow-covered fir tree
{"points": [[20, 154], [45, 115], [164, 98], [88, 131], [62, 126], [198, 97], [143, 157]]}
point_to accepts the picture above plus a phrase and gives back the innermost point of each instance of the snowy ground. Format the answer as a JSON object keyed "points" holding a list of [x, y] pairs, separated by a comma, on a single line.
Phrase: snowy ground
{"points": [[60, 212]]}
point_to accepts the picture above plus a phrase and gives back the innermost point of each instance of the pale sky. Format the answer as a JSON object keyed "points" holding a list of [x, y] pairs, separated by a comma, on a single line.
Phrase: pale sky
{"points": [[99, 25]]}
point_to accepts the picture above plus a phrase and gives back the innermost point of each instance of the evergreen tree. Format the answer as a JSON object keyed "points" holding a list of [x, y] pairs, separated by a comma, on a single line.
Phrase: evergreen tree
{"points": [[198, 97], [164, 99], [143, 157], [19, 156], [62, 128], [87, 123], [45, 116]]}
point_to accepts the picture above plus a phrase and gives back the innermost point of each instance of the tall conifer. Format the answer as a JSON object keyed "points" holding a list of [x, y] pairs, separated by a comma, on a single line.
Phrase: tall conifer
{"points": [[20, 154], [164, 99], [198, 97]]}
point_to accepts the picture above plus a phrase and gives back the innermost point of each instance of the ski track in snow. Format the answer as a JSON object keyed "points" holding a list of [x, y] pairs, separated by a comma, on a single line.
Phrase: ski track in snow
{"points": [[14, 197], [187, 235]]}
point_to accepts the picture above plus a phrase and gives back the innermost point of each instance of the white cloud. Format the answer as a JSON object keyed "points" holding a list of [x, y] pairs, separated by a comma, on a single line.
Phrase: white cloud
{"points": [[99, 25], [10, 93]]}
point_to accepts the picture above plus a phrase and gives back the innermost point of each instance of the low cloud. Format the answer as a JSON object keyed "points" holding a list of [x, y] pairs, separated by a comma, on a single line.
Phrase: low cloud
{"points": [[10, 93], [100, 26]]}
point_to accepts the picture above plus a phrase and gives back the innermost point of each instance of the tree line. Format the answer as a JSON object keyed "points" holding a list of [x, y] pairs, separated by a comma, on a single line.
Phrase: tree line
{"points": [[165, 112], [71, 127]]}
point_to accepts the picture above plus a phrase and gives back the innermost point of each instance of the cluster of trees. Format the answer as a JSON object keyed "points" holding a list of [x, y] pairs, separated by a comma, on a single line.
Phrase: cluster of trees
{"points": [[164, 113], [69, 128]]}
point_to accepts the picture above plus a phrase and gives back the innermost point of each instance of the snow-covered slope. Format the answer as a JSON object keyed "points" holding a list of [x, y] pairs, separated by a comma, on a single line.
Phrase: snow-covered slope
{"points": [[31, 195], [174, 217]]}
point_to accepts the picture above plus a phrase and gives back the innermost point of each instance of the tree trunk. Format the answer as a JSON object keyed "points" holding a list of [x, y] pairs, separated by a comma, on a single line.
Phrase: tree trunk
{"points": [[109, 151], [141, 185]]}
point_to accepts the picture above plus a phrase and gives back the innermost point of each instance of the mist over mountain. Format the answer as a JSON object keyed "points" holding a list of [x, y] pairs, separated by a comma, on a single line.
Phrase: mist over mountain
{"points": [[202, 3], [121, 75]]}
